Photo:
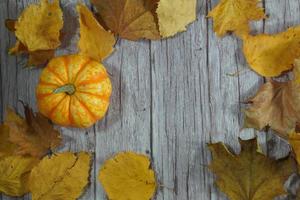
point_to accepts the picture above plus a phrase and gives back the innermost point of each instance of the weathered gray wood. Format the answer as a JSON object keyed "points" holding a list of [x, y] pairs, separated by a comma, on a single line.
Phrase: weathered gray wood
{"points": [[170, 98]]}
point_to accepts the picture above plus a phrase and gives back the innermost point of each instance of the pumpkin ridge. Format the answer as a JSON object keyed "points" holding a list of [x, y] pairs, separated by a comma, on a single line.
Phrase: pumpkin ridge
{"points": [[104, 97], [70, 113], [48, 84], [54, 107], [40, 96], [86, 108], [55, 74], [100, 78], [82, 67]]}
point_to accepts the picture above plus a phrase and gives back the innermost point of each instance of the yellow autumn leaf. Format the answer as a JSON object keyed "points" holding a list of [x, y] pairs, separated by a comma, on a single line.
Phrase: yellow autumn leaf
{"points": [[128, 176], [6, 147], [270, 55], [249, 175], [39, 25], [235, 15], [14, 174], [95, 41], [174, 15], [36, 58], [63, 176], [130, 19], [33, 135]]}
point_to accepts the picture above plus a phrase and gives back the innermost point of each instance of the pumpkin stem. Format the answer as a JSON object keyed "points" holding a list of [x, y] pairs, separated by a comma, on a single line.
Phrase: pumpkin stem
{"points": [[68, 88]]}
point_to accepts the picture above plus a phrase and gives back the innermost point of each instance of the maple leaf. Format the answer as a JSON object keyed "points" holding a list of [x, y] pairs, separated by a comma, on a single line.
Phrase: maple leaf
{"points": [[235, 15], [276, 104], [130, 19], [95, 41], [43, 32], [34, 136], [131, 174], [14, 174], [66, 176], [249, 175], [277, 53], [6, 147], [175, 15]]}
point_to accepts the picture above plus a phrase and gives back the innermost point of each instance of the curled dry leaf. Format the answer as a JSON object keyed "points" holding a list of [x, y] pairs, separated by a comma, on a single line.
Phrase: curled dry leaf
{"points": [[42, 33], [95, 41], [128, 176], [175, 15], [40, 37], [276, 104], [6, 147], [235, 15], [249, 175], [130, 19], [63, 176], [277, 53], [34, 135], [14, 174]]}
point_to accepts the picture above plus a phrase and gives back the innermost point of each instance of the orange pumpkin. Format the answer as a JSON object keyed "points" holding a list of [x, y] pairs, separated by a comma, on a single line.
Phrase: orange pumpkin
{"points": [[74, 91]]}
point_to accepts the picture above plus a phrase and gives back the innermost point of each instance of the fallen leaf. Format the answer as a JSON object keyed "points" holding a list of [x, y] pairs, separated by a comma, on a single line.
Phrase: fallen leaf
{"points": [[276, 104], [130, 19], [175, 15], [34, 136], [63, 176], [14, 174], [235, 15], [95, 41], [41, 57], [249, 175], [36, 58], [6, 147], [43, 32], [277, 53], [128, 176]]}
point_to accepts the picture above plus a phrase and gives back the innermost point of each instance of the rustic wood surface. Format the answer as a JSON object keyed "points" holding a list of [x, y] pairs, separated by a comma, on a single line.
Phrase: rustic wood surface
{"points": [[170, 98]]}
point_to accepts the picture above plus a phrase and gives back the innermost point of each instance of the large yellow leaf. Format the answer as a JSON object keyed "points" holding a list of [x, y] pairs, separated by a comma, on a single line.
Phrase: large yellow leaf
{"points": [[249, 175], [61, 177], [39, 25], [128, 176], [36, 58], [276, 104], [270, 55], [130, 19], [95, 41], [14, 174], [235, 15], [34, 135], [6, 147], [175, 15]]}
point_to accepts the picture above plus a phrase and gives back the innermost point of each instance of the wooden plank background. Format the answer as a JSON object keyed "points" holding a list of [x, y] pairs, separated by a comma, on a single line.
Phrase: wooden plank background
{"points": [[170, 98]]}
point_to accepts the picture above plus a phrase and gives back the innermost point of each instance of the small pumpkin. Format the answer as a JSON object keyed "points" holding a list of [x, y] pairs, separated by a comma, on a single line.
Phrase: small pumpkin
{"points": [[74, 90]]}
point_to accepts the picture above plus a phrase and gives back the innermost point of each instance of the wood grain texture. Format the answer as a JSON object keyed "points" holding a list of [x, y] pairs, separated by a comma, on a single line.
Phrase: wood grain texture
{"points": [[170, 98]]}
